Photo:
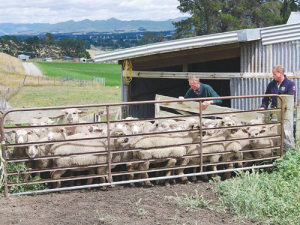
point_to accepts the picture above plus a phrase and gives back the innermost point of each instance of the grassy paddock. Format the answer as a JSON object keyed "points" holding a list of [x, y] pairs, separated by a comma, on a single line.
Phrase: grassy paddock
{"points": [[83, 71], [48, 96]]}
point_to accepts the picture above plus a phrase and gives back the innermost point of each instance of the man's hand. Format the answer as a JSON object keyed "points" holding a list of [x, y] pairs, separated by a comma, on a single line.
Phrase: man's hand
{"points": [[206, 103]]}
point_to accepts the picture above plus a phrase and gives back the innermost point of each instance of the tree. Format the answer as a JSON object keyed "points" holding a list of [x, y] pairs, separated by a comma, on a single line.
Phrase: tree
{"points": [[220, 16], [289, 6], [49, 39]]}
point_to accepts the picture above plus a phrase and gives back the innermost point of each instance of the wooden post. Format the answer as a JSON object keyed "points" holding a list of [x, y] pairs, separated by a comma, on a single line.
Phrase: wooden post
{"points": [[288, 101], [297, 136], [157, 107]]}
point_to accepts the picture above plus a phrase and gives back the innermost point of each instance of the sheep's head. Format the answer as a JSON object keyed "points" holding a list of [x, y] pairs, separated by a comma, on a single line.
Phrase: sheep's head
{"points": [[32, 151], [229, 121], [21, 136], [210, 124], [72, 115], [255, 132], [57, 134]]}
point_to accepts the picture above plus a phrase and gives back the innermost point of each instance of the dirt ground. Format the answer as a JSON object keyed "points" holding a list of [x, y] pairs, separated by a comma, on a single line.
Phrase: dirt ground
{"points": [[118, 205]]}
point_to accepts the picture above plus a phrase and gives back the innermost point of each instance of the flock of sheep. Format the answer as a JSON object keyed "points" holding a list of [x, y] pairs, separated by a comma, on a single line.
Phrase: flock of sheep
{"points": [[170, 146]]}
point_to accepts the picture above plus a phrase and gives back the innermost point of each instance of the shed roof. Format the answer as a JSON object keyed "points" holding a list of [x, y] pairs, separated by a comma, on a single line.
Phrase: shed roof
{"points": [[268, 35], [294, 18]]}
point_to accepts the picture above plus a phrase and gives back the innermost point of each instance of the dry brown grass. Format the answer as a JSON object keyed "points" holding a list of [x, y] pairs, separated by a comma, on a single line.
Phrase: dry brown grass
{"points": [[11, 74], [10, 64]]}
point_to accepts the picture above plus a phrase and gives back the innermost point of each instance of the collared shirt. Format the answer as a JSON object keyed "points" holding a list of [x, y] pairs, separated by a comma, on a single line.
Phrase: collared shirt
{"points": [[286, 87], [205, 91]]}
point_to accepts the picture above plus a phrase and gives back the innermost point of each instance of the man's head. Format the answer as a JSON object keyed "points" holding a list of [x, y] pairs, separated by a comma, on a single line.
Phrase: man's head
{"points": [[278, 73], [194, 83]]}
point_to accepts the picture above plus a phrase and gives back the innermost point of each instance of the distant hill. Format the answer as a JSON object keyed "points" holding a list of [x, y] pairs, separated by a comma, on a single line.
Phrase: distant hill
{"points": [[87, 26]]}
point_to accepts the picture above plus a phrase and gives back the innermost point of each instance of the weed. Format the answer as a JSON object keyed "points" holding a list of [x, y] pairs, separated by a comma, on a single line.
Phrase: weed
{"points": [[105, 218], [192, 201], [140, 211], [20, 167]]}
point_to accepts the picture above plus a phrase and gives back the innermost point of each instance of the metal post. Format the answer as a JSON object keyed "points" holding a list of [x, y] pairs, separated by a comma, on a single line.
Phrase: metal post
{"points": [[108, 145]]}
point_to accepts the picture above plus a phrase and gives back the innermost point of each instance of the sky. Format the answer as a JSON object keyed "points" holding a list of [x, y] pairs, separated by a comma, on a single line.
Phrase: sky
{"points": [[55, 11]]}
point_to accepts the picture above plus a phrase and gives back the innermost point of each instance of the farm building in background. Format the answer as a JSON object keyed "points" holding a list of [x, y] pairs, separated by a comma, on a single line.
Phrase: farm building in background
{"points": [[234, 63], [82, 60], [23, 57]]}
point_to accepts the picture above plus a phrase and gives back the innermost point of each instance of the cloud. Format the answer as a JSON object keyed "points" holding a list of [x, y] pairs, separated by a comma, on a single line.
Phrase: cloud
{"points": [[54, 11]]}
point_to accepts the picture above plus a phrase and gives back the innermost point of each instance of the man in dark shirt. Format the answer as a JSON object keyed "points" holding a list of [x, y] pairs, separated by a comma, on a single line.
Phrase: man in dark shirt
{"points": [[199, 90], [280, 85]]}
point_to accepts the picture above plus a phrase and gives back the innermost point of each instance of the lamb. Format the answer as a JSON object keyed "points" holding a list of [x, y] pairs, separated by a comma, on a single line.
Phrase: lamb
{"points": [[158, 141]]}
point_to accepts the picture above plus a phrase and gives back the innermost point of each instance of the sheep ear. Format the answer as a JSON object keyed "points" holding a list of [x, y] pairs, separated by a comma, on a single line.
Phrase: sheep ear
{"points": [[262, 131], [98, 130], [29, 132], [245, 130], [14, 131]]}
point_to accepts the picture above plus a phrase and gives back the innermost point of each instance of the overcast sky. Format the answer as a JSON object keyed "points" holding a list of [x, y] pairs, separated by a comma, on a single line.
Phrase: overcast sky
{"points": [[54, 11]]}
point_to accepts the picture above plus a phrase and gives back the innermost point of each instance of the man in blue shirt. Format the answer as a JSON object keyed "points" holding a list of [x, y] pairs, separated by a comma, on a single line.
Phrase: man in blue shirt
{"points": [[280, 85], [200, 90]]}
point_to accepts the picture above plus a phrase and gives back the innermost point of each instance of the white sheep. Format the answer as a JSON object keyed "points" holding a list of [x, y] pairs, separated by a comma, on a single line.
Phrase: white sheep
{"points": [[41, 132], [80, 160], [256, 142], [159, 153], [209, 150], [71, 116]]}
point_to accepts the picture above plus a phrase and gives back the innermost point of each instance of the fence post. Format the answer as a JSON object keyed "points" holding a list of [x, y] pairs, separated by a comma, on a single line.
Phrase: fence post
{"points": [[288, 101], [24, 80]]}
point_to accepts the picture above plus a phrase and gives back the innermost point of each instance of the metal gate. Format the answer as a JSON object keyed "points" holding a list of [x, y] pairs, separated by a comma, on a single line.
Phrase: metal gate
{"points": [[113, 157]]}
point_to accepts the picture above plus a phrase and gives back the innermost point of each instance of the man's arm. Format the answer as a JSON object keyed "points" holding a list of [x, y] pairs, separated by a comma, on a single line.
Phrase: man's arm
{"points": [[212, 93], [266, 100], [189, 94]]}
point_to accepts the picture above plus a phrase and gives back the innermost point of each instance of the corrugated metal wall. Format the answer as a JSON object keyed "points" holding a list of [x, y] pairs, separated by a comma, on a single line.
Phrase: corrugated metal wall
{"points": [[258, 58]]}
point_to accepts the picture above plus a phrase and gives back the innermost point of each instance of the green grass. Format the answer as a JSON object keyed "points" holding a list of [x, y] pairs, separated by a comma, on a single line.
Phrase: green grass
{"points": [[83, 71], [272, 198], [47, 96]]}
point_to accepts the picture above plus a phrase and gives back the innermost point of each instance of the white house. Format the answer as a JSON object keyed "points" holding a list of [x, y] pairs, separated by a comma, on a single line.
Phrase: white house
{"points": [[23, 57]]}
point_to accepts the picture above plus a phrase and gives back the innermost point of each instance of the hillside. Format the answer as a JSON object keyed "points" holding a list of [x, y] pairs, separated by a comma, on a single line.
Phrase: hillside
{"points": [[86, 26]]}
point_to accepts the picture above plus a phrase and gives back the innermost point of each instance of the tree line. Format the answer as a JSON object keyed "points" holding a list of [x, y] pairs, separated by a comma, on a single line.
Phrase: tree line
{"points": [[43, 47]]}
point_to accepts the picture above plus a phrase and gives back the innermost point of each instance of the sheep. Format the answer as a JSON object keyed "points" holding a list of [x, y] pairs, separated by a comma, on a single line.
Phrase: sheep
{"points": [[255, 132], [71, 116], [235, 147], [80, 160], [23, 136], [39, 151], [42, 121], [91, 146], [209, 148], [159, 153]]}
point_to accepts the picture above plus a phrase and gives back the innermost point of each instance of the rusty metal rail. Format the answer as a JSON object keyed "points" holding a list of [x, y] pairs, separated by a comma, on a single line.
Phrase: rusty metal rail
{"points": [[110, 151]]}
